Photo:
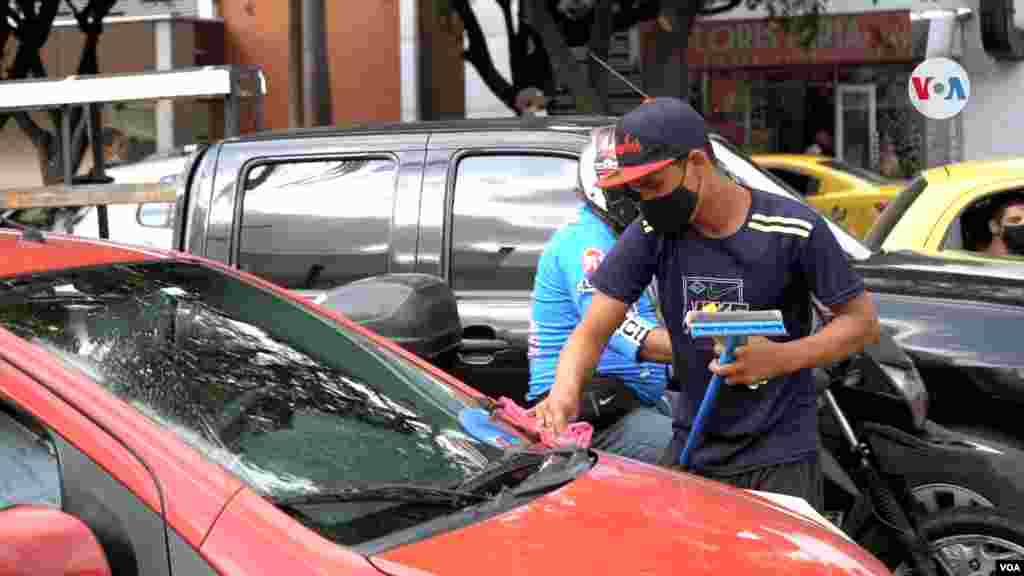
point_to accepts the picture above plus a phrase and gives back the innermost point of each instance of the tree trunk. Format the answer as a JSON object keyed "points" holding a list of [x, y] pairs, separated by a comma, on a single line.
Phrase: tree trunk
{"points": [[667, 75], [600, 43], [316, 88], [567, 70], [295, 98]]}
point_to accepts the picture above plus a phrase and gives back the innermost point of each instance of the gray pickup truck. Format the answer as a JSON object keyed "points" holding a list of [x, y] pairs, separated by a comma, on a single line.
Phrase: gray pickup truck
{"points": [[471, 201]]}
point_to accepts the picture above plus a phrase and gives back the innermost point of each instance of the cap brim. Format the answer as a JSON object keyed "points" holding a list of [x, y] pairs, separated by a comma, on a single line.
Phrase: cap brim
{"points": [[623, 176]]}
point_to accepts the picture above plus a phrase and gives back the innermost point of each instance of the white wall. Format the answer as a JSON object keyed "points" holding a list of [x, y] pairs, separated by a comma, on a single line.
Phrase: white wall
{"points": [[993, 116], [408, 20]]}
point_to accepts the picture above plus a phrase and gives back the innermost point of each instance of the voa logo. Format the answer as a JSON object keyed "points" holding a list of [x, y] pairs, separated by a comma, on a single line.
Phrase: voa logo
{"points": [[939, 88]]}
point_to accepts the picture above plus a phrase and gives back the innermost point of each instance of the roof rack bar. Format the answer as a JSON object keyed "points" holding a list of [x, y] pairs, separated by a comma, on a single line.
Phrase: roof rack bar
{"points": [[86, 195]]}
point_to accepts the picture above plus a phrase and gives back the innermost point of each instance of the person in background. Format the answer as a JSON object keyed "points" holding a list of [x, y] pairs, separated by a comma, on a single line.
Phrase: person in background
{"points": [[531, 102], [1007, 228], [822, 144]]}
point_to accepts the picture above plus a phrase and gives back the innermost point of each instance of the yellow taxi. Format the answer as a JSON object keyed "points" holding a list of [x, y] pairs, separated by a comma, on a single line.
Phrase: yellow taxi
{"points": [[951, 211], [850, 196]]}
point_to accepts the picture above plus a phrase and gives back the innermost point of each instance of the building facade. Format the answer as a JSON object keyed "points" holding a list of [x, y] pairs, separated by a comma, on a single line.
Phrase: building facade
{"points": [[387, 60]]}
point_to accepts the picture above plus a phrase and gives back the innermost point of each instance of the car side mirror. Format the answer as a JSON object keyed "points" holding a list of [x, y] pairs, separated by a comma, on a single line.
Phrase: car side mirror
{"points": [[155, 215], [40, 540]]}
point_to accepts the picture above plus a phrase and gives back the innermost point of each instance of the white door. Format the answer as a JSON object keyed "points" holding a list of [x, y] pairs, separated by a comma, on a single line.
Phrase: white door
{"points": [[856, 110]]}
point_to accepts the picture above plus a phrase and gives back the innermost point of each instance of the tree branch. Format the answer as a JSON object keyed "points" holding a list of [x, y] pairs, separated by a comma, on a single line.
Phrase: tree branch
{"points": [[565, 65], [710, 7], [634, 12], [666, 77], [600, 44], [480, 57]]}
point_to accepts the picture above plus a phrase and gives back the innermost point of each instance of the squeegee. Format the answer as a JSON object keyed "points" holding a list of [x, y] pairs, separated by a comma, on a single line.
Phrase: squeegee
{"points": [[733, 327]]}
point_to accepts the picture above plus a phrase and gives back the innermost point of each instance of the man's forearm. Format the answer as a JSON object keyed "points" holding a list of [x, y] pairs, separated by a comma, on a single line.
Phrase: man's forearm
{"points": [[657, 347], [576, 363]]}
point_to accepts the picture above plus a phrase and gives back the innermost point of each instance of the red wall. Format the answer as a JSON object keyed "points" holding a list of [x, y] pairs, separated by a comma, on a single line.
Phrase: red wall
{"points": [[362, 47]]}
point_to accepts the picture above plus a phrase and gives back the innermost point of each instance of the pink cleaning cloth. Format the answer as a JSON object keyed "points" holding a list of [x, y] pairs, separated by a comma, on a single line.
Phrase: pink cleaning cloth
{"points": [[577, 433]]}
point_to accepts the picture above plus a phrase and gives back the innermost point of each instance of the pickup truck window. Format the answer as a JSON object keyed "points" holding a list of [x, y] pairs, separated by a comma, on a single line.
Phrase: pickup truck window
{"points": [[505, 209], [317, 224]]}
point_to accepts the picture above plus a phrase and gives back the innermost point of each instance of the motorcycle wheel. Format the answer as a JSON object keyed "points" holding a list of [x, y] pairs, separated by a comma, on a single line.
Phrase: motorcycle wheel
{"points": [[969, 541]]}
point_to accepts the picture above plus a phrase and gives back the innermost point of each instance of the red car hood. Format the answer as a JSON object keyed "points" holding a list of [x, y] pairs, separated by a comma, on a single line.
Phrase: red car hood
{"points": [[624, 517]]}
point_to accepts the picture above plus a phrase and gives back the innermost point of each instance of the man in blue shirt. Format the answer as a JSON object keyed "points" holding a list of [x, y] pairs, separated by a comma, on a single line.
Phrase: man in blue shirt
{"points": [[709, 240], [625, 400]]}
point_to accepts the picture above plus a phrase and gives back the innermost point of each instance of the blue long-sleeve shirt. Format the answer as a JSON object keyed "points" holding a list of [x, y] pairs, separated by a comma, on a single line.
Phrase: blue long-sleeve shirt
{"points": [[561, 294]]}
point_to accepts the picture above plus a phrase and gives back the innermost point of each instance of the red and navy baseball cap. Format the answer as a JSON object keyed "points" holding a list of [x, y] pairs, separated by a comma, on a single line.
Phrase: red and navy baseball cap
{"points": [[648, 138]]}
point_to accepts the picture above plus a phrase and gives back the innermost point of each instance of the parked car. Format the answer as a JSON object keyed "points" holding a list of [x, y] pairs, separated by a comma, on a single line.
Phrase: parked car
{"points": [[849, 195], [945, 210], [929, 487], [161, 413]]}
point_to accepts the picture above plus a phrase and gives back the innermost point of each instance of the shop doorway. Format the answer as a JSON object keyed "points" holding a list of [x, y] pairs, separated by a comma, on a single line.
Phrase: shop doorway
{"points": [[855, 117], [819, 106], [790, 116]]}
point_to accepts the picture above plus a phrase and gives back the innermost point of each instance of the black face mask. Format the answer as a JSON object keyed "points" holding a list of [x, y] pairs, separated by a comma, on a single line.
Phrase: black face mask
{"points": [[671, 213], [1013, 237]]}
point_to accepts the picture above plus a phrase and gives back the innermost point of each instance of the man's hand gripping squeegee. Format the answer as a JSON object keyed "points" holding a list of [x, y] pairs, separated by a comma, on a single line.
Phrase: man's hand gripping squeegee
{"points": [[734, 328]]}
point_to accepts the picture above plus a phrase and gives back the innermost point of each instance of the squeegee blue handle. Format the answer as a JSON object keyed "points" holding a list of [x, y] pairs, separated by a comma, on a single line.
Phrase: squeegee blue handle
{"points": [[726, 357]]}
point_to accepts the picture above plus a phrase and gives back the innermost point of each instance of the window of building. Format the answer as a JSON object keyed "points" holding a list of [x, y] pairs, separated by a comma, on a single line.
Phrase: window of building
{"points": [[506, 208], [317, 224]]}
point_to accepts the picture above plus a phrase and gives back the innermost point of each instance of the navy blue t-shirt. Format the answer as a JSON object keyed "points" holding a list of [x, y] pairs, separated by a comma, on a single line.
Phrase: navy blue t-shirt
{"points": [[782, 255]]}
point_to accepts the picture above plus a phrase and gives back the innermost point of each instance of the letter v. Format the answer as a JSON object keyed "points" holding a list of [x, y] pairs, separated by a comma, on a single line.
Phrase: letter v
{"points": [[921, 86]]}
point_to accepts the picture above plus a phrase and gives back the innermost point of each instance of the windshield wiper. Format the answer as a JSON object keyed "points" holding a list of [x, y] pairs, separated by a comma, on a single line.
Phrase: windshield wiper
{"points": [[552, 476], [507, 466], [411, 493]]}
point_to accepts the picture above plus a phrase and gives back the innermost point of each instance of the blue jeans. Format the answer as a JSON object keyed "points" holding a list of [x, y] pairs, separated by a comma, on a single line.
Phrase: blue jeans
{"points": [[643, 434]]}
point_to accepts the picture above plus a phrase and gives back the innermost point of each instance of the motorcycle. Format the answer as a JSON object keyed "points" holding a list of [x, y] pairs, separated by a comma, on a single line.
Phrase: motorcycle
{"points": [[924, 499]]}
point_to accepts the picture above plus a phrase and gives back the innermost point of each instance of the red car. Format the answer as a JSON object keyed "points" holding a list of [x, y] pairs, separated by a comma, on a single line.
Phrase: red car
{"points": [[164, 414]]}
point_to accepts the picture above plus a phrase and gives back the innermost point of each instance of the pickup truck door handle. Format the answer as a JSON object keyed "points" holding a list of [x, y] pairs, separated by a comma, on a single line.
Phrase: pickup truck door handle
{"points": [[480, 352]]}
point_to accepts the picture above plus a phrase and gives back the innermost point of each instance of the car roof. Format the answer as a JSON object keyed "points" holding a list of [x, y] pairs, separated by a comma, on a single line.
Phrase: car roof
{"points": [[975, 172], [24, 255], [571, 123]]}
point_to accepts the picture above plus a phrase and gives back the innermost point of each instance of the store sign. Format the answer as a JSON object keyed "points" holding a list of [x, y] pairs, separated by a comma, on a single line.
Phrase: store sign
{"points": [[841, 39]]}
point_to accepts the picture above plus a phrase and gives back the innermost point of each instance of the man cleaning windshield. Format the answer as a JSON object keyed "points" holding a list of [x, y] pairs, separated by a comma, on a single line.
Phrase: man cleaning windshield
{"points": [[624, 401], [711, 240]]}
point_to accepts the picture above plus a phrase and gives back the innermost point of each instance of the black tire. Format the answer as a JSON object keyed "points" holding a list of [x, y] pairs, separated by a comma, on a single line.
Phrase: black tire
{"points": [[974, 525]]}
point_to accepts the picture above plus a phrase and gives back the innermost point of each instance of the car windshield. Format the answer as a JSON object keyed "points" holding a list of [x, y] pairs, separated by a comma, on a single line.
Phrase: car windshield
{"points": [[290, 401], [859, 172], [748, 174]]}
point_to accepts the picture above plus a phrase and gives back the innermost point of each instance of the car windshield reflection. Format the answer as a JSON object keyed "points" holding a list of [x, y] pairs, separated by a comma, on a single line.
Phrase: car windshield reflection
{"points": [[287, 400]]}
